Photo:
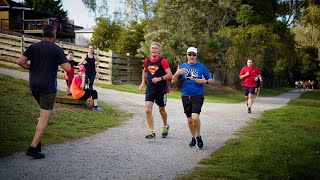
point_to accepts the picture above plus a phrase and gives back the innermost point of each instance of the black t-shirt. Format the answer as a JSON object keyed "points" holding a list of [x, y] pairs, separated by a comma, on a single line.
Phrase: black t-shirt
{"points": [[45, 57]]}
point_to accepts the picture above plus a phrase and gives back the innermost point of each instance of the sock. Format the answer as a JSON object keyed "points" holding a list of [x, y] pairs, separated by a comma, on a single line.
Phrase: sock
{"points": [[198, 135]]}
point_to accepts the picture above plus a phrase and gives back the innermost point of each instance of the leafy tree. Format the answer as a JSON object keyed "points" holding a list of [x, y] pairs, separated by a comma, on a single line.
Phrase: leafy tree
{"points": [[245, 15], [112, 35], [257, 42], [264, 11], [290, 11], [195, 23], [106, 34], [308, 38], [90, 4], [50, 6], [136, 10], [130, 38]]}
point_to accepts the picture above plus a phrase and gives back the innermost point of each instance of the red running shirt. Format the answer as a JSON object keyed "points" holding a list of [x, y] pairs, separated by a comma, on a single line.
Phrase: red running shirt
{"points": [[249, 80]]}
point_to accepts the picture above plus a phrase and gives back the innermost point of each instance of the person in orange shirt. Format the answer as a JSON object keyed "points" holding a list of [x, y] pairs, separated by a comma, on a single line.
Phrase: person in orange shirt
{"points": [[78, 92]]}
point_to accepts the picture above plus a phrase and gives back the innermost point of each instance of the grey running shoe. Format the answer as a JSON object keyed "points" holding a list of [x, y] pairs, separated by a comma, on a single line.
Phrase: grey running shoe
{"points": [[193, 142], [165, 131], [151, 135], [199, 142], [98, 108]]}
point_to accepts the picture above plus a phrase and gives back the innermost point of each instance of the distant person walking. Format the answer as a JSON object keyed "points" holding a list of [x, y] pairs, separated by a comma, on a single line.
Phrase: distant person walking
{"points": [[90, 61], [250, 75], [193, 76], [258, 87], [45, 57], [69, 75], [155, 73]]}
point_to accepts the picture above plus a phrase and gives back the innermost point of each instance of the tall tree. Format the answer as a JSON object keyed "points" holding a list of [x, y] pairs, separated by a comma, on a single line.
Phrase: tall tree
{"points": [[91, 5], [308, 38], [106, 34], [138, 9], [50, 6], [179, 24], [257, 42]]}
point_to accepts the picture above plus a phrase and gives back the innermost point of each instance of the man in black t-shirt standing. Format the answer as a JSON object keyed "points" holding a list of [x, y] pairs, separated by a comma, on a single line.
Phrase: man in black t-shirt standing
{"points": [[45, 57]]}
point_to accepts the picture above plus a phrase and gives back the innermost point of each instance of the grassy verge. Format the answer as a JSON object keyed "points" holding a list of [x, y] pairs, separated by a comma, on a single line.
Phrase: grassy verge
{"points": [[282, 144], [19, 111], [18, 68]]}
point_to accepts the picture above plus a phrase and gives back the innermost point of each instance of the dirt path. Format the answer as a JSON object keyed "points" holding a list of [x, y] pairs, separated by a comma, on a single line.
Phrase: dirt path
{"points": [[124, 153]]}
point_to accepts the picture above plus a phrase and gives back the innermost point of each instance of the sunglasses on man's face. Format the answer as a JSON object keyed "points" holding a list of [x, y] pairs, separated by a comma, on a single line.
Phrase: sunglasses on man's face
{"points": [[194, 55]]}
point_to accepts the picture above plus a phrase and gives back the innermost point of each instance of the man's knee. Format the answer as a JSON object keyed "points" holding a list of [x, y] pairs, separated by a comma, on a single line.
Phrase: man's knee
{"points": [[148, 110], [162, 110]]}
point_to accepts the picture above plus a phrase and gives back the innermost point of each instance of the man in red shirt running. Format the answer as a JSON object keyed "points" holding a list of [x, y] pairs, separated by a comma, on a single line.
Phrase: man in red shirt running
{"points": [[250, 74]]}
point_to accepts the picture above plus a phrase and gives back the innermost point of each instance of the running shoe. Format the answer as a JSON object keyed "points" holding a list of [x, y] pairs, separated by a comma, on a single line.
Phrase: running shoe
{"points": [[39, 147], [151, 135], [165, 131], [98, 108], [249, 109], [199, 142], [193, 142], [33, 152]]}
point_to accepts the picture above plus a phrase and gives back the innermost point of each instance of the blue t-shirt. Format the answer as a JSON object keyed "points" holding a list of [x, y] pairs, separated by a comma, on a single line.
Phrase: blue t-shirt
{"points": [[45, 57], [189, 85]]}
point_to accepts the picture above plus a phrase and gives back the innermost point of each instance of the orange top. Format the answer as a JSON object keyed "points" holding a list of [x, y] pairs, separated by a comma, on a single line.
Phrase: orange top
{"points": [[76, 91]]}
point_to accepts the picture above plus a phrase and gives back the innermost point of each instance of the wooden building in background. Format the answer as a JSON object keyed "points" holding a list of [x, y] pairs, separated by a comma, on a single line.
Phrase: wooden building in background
{"points": [[19, 18]]}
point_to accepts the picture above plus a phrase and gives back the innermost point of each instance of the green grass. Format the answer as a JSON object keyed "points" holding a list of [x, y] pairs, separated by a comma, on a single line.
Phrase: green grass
{"points": [[13, 67], [282, 144], [19, 111]]}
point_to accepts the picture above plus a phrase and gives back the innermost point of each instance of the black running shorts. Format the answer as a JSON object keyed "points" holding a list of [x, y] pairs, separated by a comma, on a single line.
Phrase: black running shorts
{"points": [[192, 104], [45, 100], [248, 90], [159, 98]]}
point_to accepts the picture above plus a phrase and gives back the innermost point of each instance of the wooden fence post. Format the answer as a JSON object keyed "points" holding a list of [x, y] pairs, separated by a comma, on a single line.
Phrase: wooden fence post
{"points": [[97, 68], [111, 66], [22, 44], [128, 67]]}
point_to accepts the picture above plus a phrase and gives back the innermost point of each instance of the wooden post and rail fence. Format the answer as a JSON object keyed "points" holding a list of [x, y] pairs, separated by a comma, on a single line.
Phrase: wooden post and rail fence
{"points": [[113, 68]]}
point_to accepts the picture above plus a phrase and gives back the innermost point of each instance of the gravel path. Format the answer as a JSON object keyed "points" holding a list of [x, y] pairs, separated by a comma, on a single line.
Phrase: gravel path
{"points": [[123, 152]]}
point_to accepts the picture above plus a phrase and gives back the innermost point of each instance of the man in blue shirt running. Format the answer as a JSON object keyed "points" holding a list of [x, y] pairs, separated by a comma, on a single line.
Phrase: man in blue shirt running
{"points": [[193, 76]]}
